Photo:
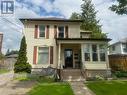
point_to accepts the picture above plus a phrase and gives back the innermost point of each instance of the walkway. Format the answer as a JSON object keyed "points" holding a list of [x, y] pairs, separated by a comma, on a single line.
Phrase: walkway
{"points": [[6, 77], [79, 88]]}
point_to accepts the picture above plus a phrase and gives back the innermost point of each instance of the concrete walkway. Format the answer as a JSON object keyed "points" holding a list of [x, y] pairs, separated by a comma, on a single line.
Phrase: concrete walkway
{"points": [[6, 77], [79, 88]]}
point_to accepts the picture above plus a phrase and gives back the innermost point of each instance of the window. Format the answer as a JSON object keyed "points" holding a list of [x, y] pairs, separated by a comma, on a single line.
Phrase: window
{"points": [[113, 48], [61, 31], [94, 53], [124, 47], [43, 55], [102, 52], [41, 31], [87, 52]]}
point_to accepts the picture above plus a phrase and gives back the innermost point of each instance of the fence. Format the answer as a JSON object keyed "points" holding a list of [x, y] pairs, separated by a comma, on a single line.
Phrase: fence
{"points": [[118, 62]]}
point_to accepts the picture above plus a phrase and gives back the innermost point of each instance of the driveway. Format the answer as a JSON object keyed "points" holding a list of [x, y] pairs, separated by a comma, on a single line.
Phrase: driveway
{"points": [[6, 77], [8, 86], [16, 87]]}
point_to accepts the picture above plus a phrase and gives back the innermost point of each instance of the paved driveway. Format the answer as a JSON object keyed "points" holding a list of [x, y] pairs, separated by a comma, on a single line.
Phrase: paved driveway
{"points": [[6, 77], [8, 86], [16, 87]]}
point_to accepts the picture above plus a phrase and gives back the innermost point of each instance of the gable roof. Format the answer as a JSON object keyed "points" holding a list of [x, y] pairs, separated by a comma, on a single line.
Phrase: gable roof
{"points": [[49, 19], [124, 40]]}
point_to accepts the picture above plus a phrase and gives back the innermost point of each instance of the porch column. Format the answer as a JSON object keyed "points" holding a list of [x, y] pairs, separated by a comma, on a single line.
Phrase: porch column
{"points": [[59, 57], [82, 54]]}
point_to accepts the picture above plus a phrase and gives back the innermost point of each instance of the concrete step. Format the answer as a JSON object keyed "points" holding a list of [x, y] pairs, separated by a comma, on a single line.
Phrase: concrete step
{"points": [[72, 75]]}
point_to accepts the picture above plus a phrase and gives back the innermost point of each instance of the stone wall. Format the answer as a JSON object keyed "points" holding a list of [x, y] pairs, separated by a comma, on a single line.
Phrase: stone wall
{"points": [[101, 73]]}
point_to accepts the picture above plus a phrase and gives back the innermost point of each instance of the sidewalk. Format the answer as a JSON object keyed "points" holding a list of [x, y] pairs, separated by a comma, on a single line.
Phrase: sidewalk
{"points": [[79, 88], [6, 77]]}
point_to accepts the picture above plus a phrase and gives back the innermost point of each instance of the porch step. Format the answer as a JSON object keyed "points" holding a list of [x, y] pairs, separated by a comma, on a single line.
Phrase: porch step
{"points": [[72, 75]]}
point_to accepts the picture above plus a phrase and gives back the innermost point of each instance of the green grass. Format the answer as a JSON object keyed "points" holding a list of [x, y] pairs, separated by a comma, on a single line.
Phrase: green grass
{"points": [[3, 71], [108, 87], [51, 89], [47, 86]]}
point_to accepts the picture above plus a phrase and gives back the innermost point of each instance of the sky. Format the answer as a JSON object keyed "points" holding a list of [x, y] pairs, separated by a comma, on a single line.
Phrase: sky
{"points": [[113, 24]]}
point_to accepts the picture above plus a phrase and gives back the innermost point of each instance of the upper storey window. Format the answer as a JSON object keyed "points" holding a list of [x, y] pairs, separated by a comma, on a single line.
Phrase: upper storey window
{"points": [[41, 31], [125, 47], [61, 31]]}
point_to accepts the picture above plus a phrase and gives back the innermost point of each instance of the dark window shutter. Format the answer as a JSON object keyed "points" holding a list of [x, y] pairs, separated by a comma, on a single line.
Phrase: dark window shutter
{"points": [[36, 31], [51, 54], [55, 31], [47, 32], [35, 55], [66, 31]]}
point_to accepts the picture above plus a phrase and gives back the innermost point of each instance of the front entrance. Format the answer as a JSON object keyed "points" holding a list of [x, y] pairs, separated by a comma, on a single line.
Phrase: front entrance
{"points": [[68, 55]]}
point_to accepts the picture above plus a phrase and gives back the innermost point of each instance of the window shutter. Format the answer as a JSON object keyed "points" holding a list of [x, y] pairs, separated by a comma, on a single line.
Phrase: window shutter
{"points": [[51, 54], [36, 31], [35, 55], [55, 31], [66, 31], [47, 32]]}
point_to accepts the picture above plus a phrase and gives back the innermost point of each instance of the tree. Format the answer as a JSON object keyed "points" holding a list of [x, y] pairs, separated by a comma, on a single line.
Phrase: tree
{"points": [[21, 64], [120, 8], [88, 16], [75, 16]]}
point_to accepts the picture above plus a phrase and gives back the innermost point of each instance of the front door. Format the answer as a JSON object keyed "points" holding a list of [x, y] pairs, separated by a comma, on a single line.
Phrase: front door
{"points": [[68, 55]]}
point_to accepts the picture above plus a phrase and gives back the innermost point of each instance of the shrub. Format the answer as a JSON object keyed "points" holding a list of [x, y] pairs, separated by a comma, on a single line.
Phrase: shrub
{"points": [[120, 74]]}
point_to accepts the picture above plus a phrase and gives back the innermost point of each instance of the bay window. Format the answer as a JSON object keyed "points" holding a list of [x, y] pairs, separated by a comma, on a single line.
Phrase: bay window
{"points": [[95, 52], [43, 55]]}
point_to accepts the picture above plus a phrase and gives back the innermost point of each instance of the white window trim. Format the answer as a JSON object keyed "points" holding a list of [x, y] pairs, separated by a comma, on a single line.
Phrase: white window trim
{"points": [[58, 30], [98, 53], [39, 31], [48, 53]]}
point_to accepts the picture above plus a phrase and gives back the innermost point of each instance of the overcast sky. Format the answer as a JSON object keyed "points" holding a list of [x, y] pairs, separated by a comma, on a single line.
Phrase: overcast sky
{"points": [[113, 24]]}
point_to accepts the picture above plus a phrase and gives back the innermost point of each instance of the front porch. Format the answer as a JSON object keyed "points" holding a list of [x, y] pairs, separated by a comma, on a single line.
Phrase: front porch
{"points": [[69, 56]]}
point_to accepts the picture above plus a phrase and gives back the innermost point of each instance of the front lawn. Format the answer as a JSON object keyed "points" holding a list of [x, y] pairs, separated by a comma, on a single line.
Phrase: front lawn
{"points": [[51, 89], [108, 87], [47, 86]]}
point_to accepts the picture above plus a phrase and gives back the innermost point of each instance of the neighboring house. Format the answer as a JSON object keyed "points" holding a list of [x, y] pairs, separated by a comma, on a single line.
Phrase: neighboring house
{"points": [[1, 40], [118, 55], [119, 47], [61, 44]]}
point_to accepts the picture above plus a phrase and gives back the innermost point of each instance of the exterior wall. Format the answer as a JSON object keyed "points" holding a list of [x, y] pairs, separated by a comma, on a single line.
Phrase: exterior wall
{"points": [[73, 32]]}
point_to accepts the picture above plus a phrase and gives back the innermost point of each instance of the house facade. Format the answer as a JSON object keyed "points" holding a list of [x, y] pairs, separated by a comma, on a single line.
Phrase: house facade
{"points": [[118, 47], [59, 43]]}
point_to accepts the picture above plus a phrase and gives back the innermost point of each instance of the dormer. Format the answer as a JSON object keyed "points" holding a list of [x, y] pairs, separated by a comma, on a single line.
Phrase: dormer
{"points": [[85, 34]]}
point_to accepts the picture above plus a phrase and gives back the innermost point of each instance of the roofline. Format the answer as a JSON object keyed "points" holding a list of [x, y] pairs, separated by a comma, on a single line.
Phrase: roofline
{"points": [[87, 39], [116, 43], [46, 19]]}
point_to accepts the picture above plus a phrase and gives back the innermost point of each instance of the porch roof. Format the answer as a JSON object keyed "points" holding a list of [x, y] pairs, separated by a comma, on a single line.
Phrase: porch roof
{"points": [[74, 40]]}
